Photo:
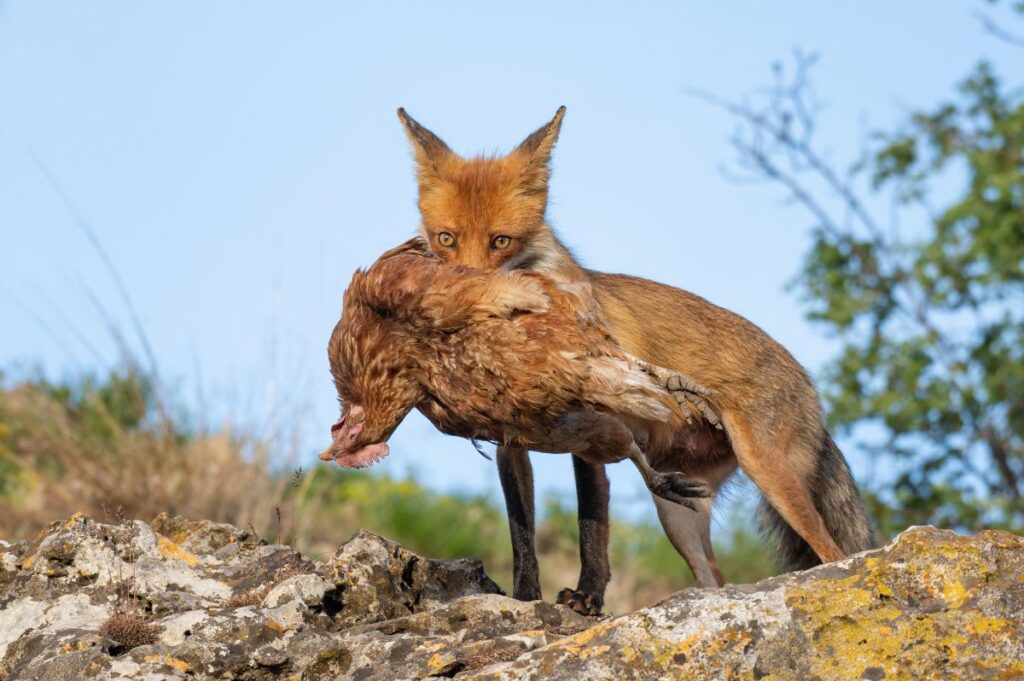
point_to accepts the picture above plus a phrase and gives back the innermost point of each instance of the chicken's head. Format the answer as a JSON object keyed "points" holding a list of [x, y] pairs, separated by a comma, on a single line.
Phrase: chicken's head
{"points": [[376, 370], [347, 448]]}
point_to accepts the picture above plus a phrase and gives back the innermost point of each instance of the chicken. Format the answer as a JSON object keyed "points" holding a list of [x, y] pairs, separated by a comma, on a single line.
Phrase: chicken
{"points": [[508, 357]]}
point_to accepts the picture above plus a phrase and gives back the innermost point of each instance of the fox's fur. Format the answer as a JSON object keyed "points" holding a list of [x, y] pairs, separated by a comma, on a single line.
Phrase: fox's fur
{"points": [[490, 213]]}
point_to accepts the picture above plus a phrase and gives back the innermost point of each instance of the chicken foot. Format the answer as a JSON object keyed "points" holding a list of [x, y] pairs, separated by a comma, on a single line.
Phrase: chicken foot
{"points": [[684, 389], [674, 487]]}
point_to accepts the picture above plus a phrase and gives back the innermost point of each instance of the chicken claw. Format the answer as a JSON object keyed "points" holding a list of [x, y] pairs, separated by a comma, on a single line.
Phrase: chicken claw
{"points": [[678, 382], [674, 487], [698, 401], [679, 489], [685, 390]]}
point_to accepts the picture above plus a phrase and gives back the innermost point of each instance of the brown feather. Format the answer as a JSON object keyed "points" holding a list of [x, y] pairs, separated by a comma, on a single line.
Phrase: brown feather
{"points": [[500, 356]]}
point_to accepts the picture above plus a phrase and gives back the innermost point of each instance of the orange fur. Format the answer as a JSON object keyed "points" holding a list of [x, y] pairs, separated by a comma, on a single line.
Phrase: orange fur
{"points": [[493, 213]]}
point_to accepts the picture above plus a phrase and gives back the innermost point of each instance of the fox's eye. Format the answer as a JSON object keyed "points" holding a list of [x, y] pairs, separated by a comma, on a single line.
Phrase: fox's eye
{"points": [[500, 242], [446, 239]]}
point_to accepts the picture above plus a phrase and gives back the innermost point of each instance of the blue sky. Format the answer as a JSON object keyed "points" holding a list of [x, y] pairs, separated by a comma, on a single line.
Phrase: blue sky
{"points": [[238, 160]]}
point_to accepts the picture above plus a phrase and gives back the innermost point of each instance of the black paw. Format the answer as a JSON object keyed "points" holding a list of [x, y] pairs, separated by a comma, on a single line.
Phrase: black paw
{"points": [[584, 603], [527, 594], [677, 488]]}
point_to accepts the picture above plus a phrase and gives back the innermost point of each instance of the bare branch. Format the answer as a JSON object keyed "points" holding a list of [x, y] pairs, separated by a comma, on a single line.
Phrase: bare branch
{"points": [[778, 126], [1000, 451], [797, 190], [997, 31]]}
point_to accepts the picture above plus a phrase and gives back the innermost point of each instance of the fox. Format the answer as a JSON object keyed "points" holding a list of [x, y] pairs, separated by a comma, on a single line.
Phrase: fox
{"points": [[490, 213]]}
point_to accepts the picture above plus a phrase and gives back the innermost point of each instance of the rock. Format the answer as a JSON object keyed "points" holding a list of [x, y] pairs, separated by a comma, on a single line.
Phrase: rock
{"points": [[307, 589], [225, 605], [269, 656], [930, 605], [378, 579]]}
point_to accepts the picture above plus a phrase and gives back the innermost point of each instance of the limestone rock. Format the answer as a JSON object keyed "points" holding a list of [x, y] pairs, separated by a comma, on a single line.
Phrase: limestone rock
{"points": [[379, 580], [226, 605], [931, 604]]}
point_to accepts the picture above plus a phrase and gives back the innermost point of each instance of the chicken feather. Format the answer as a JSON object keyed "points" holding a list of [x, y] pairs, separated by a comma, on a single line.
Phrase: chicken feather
{"points": [[508, 357]]}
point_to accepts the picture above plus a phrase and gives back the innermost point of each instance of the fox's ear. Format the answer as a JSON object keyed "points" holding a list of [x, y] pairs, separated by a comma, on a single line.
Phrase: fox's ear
{"points": [[535, 151], [428, 147]]}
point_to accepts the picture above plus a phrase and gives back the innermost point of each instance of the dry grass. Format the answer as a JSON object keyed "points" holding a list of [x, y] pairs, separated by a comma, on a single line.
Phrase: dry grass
{"points": [[60, 468], [89, 452]]}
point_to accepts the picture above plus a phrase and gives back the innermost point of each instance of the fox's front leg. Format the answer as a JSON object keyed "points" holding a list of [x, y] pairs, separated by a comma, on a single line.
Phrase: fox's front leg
{"points": [[592, 494], [516, 475]]}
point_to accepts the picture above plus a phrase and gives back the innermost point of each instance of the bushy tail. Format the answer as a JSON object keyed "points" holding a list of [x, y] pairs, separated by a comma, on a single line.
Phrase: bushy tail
{"points": [[837, 500]]}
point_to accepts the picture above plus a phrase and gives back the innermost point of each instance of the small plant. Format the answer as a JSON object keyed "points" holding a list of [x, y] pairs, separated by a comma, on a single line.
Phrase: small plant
{"points": [[129, 626], [129, 630], [252, 597]]}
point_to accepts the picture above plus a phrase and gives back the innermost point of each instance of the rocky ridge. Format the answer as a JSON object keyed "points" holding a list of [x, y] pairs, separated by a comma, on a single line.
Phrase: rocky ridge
{"points": [[180, 599]]}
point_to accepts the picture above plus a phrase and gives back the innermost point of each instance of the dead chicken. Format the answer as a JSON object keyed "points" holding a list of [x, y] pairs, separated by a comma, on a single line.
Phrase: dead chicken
{"points": [[506, 357]]}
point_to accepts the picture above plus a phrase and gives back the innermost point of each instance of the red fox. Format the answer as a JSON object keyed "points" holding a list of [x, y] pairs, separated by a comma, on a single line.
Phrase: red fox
{"points": [[490, 213]]}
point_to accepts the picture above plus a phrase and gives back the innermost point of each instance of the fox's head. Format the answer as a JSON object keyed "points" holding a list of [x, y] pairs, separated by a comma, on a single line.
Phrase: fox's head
{"points": [[485, 212]]}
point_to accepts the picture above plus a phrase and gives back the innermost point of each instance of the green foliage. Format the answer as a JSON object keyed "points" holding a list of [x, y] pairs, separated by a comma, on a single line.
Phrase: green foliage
{"points": [[927, 301], [441, 525], [457, 525], [742, 554], [120, 400], [100, 410], [932, 349]]}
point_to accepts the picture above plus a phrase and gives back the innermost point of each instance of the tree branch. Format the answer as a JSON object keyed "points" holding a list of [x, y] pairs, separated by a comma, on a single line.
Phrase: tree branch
{"points": [[997, 31]]}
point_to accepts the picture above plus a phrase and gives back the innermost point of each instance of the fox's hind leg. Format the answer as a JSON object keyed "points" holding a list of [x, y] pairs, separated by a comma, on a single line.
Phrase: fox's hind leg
{"points": [[690, 534]]}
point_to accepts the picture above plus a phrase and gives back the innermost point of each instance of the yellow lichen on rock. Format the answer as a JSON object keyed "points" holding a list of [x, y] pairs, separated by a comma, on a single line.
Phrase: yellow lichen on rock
{"points": [[857, 624], [583, 639], [437, 662], [76, 518], [74, 645], [932, 604], [173, 662], [169, 549]]}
